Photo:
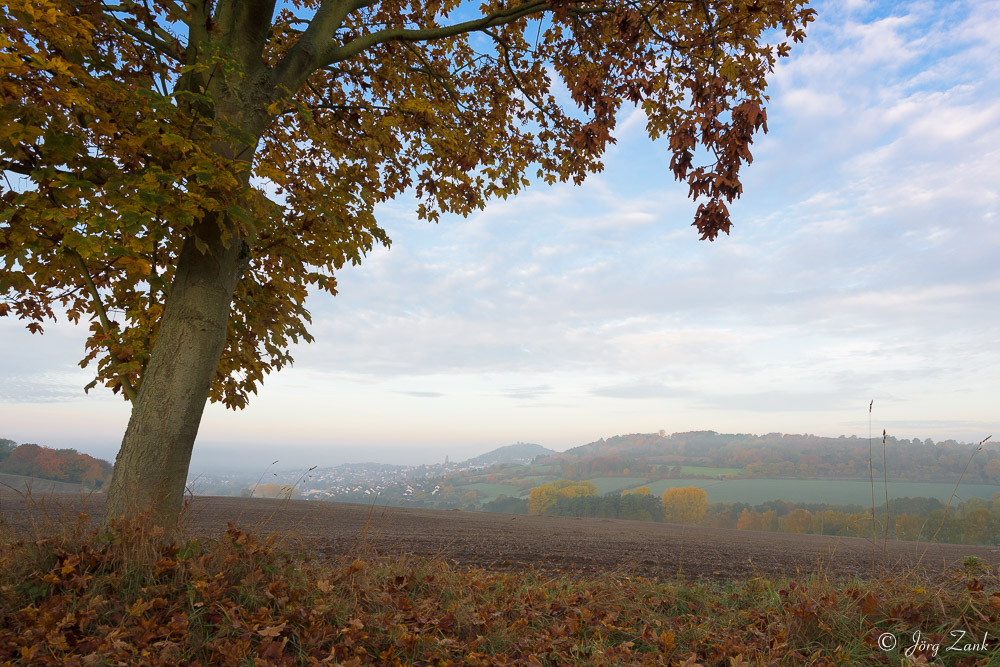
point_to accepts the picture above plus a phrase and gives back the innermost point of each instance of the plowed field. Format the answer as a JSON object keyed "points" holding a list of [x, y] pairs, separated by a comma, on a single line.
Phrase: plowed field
{"points": [[509, 542]]}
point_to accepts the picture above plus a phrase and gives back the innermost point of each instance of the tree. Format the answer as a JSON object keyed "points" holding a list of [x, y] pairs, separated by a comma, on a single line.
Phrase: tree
{"points": [[6, 447], [22, 460], [48, 464], [139, 139], [797, 521], [991, 471], [749, 520], [542, 498], [685, 505], [95, 475], [506, 504]]}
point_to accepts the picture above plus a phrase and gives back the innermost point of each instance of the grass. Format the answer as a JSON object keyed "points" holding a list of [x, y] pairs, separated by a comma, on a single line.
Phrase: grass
{"points": [[708, 472], [609, 484], [20, 484], [489, 490], [128, 595]]}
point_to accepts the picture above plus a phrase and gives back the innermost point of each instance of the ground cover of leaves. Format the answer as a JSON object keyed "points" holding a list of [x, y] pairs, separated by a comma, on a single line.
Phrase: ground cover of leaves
{"points": [[130, 596]]}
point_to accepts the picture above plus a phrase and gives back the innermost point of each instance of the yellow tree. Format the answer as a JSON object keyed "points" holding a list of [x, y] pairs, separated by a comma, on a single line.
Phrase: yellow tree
{"points": [[685, 505], [543, 497], [139, 138], [797, 521]]}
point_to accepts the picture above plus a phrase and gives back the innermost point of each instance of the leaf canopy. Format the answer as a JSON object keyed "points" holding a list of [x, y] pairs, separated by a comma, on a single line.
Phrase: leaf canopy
{"points": [[125, 128]]}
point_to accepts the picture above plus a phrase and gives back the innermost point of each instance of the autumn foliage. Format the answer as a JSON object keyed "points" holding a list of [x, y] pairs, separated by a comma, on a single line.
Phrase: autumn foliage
{"points": [[127, 597], [542, 498], [120, 126], [973, 521], [64, 465], [685, 505]]}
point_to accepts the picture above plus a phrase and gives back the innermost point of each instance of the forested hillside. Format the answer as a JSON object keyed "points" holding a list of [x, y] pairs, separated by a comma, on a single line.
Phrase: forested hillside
{"points": [[784, 455]]}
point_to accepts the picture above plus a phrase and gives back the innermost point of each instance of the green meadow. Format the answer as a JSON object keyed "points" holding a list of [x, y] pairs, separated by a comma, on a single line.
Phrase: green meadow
{"points": [[490, 491], [609, 484], [709, 472]]}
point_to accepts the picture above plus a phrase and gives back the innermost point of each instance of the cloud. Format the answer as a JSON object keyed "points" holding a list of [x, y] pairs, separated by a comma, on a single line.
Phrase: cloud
{"points": [[779, 401], [43, 388], [42, 367], [528, 393], [548, 406], [639, 390]]}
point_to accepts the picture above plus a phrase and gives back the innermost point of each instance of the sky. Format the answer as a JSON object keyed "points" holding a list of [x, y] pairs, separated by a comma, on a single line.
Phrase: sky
{"points": [[862, 266]]}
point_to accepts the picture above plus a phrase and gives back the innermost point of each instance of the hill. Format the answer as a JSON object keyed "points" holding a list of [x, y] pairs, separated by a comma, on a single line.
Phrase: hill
{"points": [[776, 455], [521, 452]]}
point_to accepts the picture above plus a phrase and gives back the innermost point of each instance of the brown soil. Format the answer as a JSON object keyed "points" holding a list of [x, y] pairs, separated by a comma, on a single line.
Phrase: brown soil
{"points": [[511, 542]]}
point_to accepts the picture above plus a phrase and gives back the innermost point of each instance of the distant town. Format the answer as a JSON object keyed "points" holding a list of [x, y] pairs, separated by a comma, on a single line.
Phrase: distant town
{"points": [[359, 481]]}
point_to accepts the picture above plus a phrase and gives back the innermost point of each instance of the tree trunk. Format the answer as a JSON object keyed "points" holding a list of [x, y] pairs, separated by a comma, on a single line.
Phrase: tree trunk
{"points": [[152, 465]]}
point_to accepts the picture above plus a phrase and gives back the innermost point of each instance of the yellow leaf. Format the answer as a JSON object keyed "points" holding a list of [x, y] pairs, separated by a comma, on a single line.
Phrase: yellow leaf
{"points": [[139, 607], [272, 631]]}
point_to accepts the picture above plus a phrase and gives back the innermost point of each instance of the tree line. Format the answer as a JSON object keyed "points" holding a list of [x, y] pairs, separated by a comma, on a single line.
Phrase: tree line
{"points": [[580, 498], [61, 465], [974, 521]]}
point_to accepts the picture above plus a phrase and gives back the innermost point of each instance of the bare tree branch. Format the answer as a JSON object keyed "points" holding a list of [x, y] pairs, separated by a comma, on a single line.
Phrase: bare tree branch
{"points": [[156, 35], [505, 49], [171, 50], [434, 74], [333, 54], [711, 30], [128, 5], [102, 314]]}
